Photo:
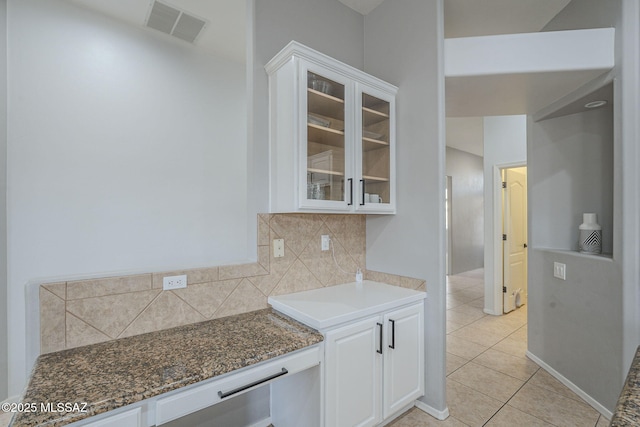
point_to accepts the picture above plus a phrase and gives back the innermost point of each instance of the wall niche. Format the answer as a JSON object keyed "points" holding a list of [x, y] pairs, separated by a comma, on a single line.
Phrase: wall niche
{"points": [[572, 153]]}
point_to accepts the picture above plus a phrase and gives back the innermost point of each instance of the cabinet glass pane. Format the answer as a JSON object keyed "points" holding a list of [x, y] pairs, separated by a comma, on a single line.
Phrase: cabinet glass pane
{"points": [[376, 160], [325, 138]]}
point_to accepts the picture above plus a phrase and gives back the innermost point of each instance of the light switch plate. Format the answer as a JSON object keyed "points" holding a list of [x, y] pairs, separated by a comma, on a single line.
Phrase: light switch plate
{"points": [[278, 248], [560, 270], [324, 242]]}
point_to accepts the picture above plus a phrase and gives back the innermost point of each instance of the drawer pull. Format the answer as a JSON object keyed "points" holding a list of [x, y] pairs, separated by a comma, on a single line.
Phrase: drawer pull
{"points": [[253, 384], [379, 351]]}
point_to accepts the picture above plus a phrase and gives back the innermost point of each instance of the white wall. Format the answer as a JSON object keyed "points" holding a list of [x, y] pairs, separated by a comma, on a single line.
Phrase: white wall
{"points": [[575, 325], [628, 29], [505, 143], [403, 45], [467, 210], [573, 174], [624, 15], [3, 201], [126, 152]]}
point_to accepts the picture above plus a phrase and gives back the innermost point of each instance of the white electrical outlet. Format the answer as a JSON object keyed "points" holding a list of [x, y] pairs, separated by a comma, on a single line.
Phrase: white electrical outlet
{"points": [[174, 282], [278, 248], [324, 242], [560, 270]]}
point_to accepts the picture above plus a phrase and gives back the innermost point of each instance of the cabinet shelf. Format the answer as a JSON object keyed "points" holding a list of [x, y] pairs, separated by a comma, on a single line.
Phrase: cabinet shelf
{"points": [[326, 129], [371, 117], [326, 136], [325, 105], [369, 144], [328, 172], [375, 178], [375, 112]]}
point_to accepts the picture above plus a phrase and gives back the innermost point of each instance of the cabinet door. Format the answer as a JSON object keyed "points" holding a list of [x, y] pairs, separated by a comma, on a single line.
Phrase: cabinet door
{"points": [[375, 152], [404, 358], [354, 374], [325, 153]]}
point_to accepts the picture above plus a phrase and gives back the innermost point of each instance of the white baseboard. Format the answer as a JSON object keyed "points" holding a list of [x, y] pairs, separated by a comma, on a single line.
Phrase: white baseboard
{"points": [[440, 415], [574, 388], [491, 312], [397, 415], [262, 423]]}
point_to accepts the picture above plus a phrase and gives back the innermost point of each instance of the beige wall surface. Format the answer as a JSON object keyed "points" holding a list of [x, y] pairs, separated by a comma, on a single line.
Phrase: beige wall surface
{"points": [[77, 313]]}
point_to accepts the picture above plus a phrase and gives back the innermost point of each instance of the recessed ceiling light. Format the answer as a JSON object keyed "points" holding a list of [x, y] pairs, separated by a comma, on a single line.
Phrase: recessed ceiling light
{"points": [[595, 104]]}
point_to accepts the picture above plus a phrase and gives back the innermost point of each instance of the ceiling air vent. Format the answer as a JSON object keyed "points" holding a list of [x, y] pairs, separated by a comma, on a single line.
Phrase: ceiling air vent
{"points": [[175, 22]]}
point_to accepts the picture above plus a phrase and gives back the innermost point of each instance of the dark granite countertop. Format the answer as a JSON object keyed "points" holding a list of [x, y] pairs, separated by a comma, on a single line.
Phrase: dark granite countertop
{"points": [[116, 373], [627, 411]]}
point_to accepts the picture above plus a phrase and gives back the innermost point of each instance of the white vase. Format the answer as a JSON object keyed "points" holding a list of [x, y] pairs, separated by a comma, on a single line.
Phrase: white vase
{"points": [[590, 234]]}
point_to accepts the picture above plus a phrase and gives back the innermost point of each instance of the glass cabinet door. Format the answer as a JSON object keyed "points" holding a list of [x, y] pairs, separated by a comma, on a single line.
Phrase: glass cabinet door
{"points": [[325, 149], [376, 154]]}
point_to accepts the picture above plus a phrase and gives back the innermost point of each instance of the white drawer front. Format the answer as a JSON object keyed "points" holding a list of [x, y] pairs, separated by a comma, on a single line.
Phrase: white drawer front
{"points": [[130, 418], [198, 397]]}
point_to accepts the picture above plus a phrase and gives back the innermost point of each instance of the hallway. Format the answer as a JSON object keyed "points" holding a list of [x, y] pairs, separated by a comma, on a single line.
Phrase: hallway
{"points": [[490, 381]]}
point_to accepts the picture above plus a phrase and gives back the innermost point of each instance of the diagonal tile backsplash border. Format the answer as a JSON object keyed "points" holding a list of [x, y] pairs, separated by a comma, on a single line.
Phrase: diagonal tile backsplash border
{"points": [[84, 312]]}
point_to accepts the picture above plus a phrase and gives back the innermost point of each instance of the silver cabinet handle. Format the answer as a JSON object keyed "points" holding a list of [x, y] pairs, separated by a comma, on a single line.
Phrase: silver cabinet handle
{"points": [[253, 384]]}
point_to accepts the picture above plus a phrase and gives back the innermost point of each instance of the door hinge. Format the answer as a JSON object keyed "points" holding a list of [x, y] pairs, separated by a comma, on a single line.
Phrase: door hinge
{"points": [[504, 289], [504, 184], [504, 237]]}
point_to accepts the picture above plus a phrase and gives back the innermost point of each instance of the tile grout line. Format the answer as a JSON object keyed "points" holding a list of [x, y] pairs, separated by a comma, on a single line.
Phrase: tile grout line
{"points": [[140, 314], [507, 402], [519, 388], [486, 367], [195, 309], [509, 336], [229, 296]]}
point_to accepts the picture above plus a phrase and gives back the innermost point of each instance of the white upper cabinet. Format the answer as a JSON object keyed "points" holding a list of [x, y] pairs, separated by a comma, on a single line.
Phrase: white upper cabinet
{"points": [[332, 136]]}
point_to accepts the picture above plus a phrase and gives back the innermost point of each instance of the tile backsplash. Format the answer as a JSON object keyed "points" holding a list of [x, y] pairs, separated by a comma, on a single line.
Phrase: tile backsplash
{"points": [[78, 313]]}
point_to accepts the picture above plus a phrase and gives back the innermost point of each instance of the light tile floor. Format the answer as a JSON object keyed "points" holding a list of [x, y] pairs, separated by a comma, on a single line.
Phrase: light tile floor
{"points": [[490, 381]]}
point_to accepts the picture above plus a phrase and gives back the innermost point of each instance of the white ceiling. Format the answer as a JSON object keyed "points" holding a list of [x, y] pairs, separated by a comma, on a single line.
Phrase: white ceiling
{"points": [[362, 6], [469, 98], [225, 33], [468, 18], [507, 94], [466, 134]]}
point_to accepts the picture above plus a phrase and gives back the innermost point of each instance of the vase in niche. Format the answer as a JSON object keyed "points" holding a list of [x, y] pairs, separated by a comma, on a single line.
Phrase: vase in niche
{"points": [[590, 235]]}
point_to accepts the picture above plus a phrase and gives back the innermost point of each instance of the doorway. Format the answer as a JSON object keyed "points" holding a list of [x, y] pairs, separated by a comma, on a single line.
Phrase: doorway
{"points": [[514, 238]]}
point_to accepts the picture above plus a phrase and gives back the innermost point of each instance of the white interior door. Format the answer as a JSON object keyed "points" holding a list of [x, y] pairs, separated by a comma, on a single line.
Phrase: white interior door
{"points": [[515, 245]]}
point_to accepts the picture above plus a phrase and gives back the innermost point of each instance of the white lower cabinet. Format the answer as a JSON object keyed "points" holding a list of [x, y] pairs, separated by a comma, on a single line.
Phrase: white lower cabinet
{"points": [[292, 378], [374, 367], [192, 399], [130, 418], [403, 377], [354, 374]]}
